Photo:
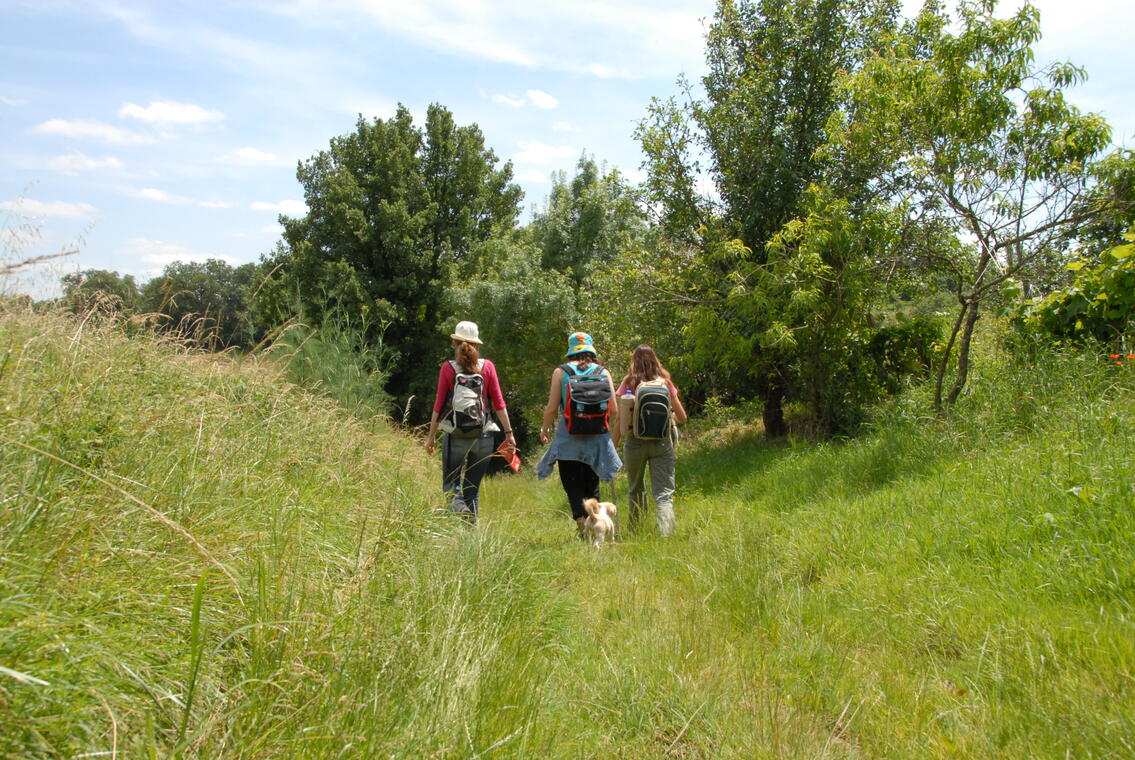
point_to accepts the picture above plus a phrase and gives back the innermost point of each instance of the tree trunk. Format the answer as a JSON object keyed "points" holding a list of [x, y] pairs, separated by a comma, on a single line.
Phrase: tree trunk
{"points": [[944, 364], [972, 315], [773, 413]]}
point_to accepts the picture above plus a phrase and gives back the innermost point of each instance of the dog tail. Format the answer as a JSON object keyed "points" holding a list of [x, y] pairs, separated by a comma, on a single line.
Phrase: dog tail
{"points": [[592, 506]]}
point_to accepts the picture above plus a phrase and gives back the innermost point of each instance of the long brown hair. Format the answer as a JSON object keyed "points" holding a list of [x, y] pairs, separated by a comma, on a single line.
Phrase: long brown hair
{"points": [[644, 366], [468, 359]]}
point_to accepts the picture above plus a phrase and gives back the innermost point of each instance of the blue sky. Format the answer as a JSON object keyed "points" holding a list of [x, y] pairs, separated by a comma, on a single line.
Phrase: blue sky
{"points": [[141, 132]]}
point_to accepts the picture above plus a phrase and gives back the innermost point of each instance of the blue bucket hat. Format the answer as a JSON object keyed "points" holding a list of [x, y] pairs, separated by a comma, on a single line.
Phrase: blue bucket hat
{"points": [[580, 343]]}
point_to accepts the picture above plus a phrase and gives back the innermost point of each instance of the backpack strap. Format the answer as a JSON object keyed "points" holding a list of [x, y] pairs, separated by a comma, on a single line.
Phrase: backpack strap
{"points": [[568, 372]]}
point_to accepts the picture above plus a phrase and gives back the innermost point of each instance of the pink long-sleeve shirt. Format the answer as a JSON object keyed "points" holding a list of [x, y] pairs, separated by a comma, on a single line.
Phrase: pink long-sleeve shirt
{"points": [[446, 376]]}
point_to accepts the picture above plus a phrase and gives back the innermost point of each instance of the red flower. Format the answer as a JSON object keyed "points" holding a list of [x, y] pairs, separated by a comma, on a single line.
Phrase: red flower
{"points": [[1131, 356], [1113, 356]]}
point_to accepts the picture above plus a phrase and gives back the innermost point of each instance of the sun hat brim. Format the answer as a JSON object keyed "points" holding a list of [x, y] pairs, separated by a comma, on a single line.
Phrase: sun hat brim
{"points": [[466, 339]]}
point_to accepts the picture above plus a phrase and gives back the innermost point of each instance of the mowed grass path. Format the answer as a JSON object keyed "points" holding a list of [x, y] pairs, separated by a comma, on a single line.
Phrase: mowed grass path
{"points": [[198, 560]]}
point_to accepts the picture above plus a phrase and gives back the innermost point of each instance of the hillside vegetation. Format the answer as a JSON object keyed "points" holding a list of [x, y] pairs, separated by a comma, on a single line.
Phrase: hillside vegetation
{"points": [[199, 560]]}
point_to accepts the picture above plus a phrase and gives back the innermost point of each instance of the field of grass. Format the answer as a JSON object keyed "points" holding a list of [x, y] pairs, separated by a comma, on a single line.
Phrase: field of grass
{"points": [[199, 560]]}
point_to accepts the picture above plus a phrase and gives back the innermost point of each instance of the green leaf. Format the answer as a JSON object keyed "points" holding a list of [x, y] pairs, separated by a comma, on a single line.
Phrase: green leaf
{"points": [[1075, 266]]}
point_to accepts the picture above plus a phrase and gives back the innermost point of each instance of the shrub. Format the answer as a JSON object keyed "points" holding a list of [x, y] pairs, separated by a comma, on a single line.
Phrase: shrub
{"points": [[1098, 306]]}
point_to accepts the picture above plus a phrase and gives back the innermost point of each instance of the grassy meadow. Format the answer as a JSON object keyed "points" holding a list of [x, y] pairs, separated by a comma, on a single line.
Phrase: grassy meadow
{"points": [[199, 560]]}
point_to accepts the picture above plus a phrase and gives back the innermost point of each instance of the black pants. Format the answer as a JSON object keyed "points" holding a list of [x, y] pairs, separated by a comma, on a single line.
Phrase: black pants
{"points": [[580, 482]]}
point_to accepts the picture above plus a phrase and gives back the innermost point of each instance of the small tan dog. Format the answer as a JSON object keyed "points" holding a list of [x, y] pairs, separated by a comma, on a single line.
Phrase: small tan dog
{"points": [[599, 524]]}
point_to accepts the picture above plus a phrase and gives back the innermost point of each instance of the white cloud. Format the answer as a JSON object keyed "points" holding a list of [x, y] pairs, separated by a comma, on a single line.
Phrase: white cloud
{"points": [[254, 154], [508, 100], [170, 112], [531, 175], [77, 162], [604, 71], [536, 152], [81, 128], [14, 102], [564, 126], [631, 39], [369, 106], [154, 194], [634, 176], [292, 208], [538, 98], [161, 196], [28, 207], [289, 67], [154, 255], [541, 99]]}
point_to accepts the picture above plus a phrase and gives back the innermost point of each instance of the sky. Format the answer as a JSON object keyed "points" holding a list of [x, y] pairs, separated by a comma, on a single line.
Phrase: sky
{"points": [[141, 132]]}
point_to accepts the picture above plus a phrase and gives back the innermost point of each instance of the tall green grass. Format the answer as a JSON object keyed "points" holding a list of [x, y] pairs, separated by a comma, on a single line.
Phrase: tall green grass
{"points": [[337, 360], [198, 559]]}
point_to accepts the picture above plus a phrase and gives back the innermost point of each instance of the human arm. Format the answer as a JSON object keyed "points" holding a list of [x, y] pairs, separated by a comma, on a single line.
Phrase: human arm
{"points": [[431, 437], [496, 399], [616, 428], [548, 424], [444, 382], [679, 410], [506, 426]]}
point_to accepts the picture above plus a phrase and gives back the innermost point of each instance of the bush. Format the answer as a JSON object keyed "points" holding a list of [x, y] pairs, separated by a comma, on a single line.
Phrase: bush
{"points": [[1098, 306], [340, 362]]}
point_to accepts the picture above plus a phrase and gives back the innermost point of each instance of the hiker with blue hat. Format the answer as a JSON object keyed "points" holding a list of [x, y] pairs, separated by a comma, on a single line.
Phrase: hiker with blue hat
{"points": [[578, 419]]}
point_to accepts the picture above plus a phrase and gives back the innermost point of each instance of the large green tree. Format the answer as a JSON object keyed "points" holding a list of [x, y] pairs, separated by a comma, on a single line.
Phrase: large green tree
{"points": [[84, 288], [392, 208], [206, 301], [588, 221], [769, 92], [525, 313], [955, 118]]}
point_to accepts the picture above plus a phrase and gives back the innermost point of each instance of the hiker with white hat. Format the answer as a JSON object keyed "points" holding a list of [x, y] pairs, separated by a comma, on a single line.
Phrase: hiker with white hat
{"points": [[468, 397]]}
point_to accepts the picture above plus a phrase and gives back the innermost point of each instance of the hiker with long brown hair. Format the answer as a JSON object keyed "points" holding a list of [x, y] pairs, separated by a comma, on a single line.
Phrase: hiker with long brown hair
{"points": [[649, 436], [467, 386]]}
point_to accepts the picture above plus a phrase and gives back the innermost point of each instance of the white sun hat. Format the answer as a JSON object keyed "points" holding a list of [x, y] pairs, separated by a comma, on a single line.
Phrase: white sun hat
{"points": [[466, 331]]}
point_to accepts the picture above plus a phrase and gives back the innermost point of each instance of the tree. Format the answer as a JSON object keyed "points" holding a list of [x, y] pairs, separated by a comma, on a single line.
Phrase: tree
{"points": [[768, 95], [963, 125], [589, 221], [646, 297], [1108, 208], [525, 313], [203, 300], [391, 209], [82, 289]]}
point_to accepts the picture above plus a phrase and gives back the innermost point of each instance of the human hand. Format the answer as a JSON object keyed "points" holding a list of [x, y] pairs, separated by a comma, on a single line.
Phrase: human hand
{"points": [[430, 445]]}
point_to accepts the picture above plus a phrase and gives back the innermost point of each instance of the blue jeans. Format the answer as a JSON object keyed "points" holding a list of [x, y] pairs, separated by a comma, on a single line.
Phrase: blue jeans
{"points": [[463, 465]]}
